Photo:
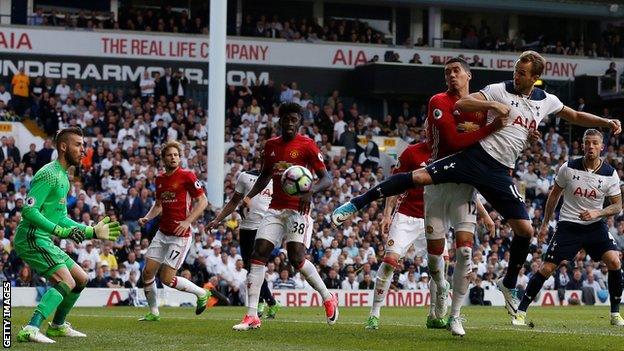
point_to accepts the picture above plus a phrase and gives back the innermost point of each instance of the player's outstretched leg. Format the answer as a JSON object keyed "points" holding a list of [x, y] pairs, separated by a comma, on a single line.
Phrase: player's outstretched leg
{"points": [[518, 252], [382, 284], [60, 327], [49, 302], [395, 185], [183, 284]]}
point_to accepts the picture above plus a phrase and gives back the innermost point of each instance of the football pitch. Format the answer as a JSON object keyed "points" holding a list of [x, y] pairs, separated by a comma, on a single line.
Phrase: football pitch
{"points": [[487, 328]]}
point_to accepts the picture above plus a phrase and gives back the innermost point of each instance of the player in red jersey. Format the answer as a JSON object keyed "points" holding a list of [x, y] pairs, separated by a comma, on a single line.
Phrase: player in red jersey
{"points": [[452, 204], [174, 191], [405, 226], [288, 218]]}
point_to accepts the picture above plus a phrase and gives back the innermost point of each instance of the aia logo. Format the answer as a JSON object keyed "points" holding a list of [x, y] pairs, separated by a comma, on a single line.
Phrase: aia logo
{"points": [[585, 193], [525, 123]]}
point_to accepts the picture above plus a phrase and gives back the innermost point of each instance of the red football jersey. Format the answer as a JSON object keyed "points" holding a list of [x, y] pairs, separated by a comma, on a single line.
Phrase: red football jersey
{"points": [[411, 202], [175, 192], [279, 155], [450, 131]]}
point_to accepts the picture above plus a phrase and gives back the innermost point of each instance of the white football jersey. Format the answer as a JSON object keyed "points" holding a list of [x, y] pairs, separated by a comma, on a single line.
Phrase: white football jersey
{"points": [[526, 113], [584, 190], [259, 204]]}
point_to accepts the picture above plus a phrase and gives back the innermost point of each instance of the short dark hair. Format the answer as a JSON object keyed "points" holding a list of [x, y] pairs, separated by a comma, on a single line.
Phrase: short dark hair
{"points": [[287, 108], [61, 135], [592, 132], [461, 61]]}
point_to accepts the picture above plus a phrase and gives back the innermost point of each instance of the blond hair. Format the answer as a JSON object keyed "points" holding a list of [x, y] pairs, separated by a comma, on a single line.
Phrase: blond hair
{"points": [[168, 145]]}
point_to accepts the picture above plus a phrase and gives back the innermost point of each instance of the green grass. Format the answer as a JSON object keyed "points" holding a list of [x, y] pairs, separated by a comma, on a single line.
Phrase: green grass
{"points": [[487, 328]]}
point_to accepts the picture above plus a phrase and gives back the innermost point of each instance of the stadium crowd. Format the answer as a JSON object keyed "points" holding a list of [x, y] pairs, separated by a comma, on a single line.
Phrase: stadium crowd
{"points": [[469, 35], [125, 128]]}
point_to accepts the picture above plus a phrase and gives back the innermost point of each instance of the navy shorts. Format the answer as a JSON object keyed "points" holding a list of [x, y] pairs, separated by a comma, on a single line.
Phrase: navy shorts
{"points": [[570, 237], [491, 178]]}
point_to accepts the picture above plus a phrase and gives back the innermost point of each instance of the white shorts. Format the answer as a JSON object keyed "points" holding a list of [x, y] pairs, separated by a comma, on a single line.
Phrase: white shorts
{"points": [[287, 225], [449, 205], [170, 250], [405, 231]]}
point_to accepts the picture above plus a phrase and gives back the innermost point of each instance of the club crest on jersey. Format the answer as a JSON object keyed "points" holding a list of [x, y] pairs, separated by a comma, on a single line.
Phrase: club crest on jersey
{"points": [[467, 127], [30, 201], [437, 113], [429, 229], [390, 242], [167, 196], [294, 154]]}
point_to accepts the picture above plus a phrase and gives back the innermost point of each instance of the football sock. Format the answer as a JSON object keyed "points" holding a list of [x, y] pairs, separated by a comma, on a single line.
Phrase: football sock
{"points": [[150, 294], [183, 284], [518, 252], [394, 185], [382, 283], [255, 279], [314, 279], [66, 305], [436, 268], [266, 295], [49, 302], [533, 288], [463, 260], [433, 289], [615, 289]]}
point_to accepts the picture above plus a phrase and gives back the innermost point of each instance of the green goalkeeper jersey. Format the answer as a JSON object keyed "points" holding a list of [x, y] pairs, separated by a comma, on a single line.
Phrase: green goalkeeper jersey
{"points": [[46, 204]]}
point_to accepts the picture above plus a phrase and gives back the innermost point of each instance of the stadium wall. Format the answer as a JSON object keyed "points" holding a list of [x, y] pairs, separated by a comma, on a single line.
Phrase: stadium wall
{"points": [[95, 297], [194, 48]]}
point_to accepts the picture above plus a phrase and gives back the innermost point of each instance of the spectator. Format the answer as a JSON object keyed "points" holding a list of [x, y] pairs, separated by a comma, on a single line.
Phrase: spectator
{"points": [[21, 92], [416, 59], [147, 85], [332, 281], [62, 90], [350, 283], [5, 96], [284, 281]]}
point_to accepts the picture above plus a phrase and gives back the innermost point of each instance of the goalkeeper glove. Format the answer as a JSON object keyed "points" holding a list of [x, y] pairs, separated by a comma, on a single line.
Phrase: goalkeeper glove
{"points": [[105, 230], [73, 233]]}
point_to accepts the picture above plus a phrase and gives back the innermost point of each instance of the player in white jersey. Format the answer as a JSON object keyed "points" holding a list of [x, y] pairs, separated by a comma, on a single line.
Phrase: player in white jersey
{"points": [[252, 212], [488, 165], [585, 184]]}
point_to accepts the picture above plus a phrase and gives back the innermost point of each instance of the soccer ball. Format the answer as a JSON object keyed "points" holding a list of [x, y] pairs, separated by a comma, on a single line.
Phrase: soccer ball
{"points": [[296, 180]]}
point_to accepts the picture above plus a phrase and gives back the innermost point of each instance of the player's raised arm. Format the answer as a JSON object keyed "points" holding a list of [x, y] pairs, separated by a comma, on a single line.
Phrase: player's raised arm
{"points": [[586, 119], [478, 102]]}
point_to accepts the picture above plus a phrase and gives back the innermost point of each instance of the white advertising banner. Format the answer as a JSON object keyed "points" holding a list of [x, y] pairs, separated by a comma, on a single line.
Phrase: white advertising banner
{"points": [[95, 297], [194, 48]]}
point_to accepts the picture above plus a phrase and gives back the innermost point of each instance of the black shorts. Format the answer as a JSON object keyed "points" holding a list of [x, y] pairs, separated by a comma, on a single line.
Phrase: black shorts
{"points": [[570, 237], [491, 178]]}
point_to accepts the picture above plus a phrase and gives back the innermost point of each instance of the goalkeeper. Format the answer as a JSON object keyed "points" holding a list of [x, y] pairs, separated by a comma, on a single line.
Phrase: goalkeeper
{"points": [[45, 214]]}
